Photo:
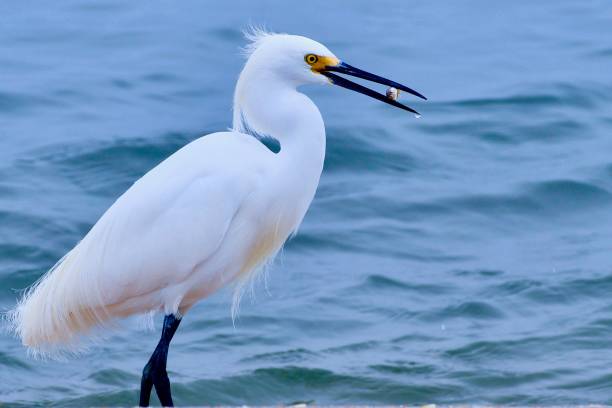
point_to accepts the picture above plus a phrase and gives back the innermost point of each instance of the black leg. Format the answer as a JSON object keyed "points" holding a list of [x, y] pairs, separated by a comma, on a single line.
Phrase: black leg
{"points": [[154, 373]]}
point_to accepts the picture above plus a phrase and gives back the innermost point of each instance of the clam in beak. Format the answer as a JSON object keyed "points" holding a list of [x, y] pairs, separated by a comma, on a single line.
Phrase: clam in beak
{"points": [[344, 68]]}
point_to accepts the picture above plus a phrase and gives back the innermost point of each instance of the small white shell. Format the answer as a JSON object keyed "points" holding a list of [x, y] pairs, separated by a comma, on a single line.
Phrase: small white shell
{"points": [[393, 93]]}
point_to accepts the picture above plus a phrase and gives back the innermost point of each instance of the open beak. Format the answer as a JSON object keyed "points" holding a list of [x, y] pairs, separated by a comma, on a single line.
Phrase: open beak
{"points": [[344, 68]]}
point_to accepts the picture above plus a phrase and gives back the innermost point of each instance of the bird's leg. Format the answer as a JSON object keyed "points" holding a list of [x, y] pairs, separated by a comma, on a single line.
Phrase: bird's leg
{"points": [[154, 373]]}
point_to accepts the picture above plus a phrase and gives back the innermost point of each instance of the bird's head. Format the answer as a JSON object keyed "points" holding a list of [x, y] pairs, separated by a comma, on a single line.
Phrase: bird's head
{"points": [[301, 60]]}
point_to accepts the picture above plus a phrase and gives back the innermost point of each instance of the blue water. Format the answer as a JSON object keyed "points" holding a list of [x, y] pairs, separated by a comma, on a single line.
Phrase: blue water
{"points": [[460, 258]]}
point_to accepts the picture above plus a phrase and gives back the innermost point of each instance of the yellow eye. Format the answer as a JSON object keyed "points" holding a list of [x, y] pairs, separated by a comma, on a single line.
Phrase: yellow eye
{"points": [[311, 59]]}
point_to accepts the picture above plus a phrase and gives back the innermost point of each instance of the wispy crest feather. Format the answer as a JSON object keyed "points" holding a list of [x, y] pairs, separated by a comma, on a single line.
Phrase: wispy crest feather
{"points": [[255, 35]]}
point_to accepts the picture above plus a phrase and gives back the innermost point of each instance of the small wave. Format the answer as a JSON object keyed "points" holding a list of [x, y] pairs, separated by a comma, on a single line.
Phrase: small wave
{"points": [[114, 376], [484, 273], [109, 168], [283, 385], [404, 368], [513, 287], [284, 357], [567, 195], [503, 379], [466, 310], [490, 351], [12, 104], [520, 100], [555, 197], [12, 363], [570, 290], [353, 347], [353, 241], [493, 131], [378, 282], [599, 382], [361, 149], [559, 94]]}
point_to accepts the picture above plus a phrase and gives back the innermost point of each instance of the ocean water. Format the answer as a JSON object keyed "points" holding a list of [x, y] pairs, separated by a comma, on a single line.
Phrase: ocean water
{"points": [[463, 257]]}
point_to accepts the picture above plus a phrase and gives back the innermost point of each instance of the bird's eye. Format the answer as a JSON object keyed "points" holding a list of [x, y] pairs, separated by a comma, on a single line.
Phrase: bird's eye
{"points": [[311, 59]]}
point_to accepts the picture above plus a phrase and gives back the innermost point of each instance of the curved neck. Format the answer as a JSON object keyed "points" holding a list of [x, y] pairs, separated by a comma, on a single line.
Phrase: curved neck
{"points": [[268, 106]]}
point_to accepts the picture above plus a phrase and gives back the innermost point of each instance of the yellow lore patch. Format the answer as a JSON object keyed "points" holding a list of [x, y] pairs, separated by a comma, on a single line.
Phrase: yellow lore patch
{"points": [[318, 63]]}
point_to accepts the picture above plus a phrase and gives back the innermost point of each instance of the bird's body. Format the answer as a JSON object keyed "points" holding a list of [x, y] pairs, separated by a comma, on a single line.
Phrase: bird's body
{"points": [[198, 221], [210, 214]]}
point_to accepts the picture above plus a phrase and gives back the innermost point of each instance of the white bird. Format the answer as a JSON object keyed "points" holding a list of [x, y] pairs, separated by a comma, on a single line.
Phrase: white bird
{"points": [[210, 214]]}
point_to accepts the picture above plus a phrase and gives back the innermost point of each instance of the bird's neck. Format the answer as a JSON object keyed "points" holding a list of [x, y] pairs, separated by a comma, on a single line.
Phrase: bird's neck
{"points": [[269, 108], [273, 109]]}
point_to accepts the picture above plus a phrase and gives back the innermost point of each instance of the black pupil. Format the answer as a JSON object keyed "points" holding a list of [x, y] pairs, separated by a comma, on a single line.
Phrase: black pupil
{"points": [[312, 58]]}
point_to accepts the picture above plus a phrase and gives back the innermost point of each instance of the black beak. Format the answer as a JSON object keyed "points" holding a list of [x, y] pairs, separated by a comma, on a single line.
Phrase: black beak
{"points": [[344, 68]]}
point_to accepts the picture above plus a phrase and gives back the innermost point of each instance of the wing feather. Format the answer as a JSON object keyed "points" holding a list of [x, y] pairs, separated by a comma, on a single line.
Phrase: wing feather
{"points": [[152, 237]]}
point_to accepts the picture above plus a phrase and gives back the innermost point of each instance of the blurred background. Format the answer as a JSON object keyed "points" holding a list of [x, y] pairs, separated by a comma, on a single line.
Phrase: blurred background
{"points": [[461, 257]]}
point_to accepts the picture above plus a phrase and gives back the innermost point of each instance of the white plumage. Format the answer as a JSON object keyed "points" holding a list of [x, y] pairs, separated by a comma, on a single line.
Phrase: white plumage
{"points": [[208, 215], [211, 214]]}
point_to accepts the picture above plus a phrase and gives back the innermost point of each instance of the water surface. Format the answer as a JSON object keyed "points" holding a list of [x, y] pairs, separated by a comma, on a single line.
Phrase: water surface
{"points": [[460, 258]]}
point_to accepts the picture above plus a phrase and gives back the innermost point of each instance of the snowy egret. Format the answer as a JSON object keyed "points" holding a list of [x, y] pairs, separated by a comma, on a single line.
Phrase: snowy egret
{"points": [[210, 214]]}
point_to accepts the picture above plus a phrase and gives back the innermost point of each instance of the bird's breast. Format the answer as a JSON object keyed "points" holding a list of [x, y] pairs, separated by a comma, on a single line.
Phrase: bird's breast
{"points": [[264, 245], [271, 226]]}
